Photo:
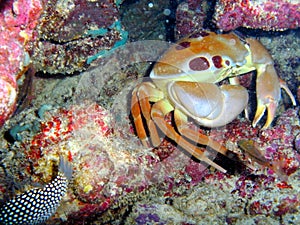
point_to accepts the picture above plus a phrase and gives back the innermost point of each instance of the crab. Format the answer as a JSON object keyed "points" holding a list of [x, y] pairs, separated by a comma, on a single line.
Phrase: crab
{"points": [[185, 82]]}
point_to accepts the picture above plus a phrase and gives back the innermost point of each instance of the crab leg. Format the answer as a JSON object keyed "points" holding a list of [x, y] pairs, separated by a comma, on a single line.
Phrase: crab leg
{"points": [[284, 86], [181, 122], [158, 112], [137, 118], [140, 105]]}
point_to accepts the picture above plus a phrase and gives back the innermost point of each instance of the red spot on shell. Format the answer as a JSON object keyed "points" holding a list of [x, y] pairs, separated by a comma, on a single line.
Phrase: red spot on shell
{"points": [[199, 64], [183, 45], [227, 62], [217, 60]]}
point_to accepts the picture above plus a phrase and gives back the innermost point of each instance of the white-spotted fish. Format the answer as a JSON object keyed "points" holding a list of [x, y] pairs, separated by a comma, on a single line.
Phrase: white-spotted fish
{"points": [[39, 204]]}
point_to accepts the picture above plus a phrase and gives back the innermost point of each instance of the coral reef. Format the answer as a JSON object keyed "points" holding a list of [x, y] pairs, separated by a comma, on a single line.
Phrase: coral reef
{"points": [[104, 168], [55, 37], [257, 14], [190, 16], [18, 19], [221, 204], [115, 179], [110, 167], [71, 34]]}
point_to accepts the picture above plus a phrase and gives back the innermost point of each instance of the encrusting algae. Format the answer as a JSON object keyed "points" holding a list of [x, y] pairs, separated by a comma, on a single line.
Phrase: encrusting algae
{"points": [[39, 204], [250, 148]]}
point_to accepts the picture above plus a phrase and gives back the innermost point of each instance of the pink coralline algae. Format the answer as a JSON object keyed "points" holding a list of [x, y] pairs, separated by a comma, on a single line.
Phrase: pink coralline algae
{"points": [[104, 168], [275, 143], [257, 14], [189, 17], [111, 169], [110, 166], [71, 33], [55, 37], [248, 186], [18, 19], [284, 206]]}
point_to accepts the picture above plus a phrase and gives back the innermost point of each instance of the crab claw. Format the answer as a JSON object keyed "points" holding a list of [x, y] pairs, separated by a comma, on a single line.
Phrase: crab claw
{"points": [[268, 91], [268, 84], [210, 105], [268, 94]]}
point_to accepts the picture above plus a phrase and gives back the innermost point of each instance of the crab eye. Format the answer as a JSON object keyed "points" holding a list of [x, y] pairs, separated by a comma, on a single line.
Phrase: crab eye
{"points": [[226, 61], [199, 64]]}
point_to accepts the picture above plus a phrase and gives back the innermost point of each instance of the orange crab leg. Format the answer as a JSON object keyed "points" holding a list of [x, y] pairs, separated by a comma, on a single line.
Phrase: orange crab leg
{"points": [[284, 86], [137, 118], [181, 122], [158, 112], [140, 105]]}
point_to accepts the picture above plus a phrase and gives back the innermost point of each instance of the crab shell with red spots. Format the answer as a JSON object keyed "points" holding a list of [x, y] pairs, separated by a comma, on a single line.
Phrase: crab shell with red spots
{"points": [[185, 82]]}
